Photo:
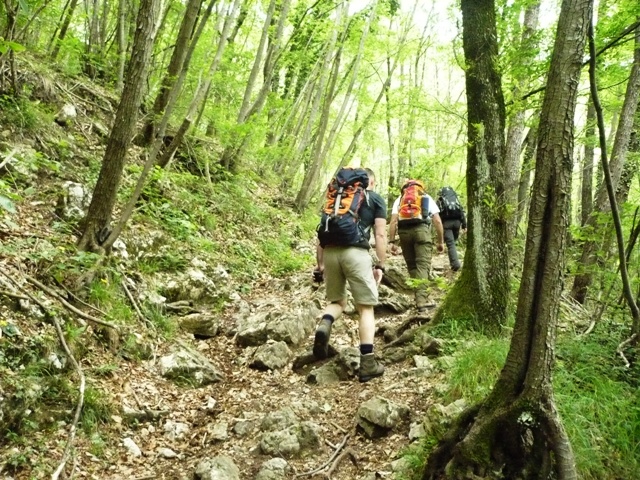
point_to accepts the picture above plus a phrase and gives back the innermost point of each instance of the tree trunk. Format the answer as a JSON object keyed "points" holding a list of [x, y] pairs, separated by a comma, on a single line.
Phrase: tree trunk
{"points": [[91, 44], [196, 102], [611, 191], [586, 190], [485, 276], [63, 29], [589, 256], [228, 160], [122, 43], [176, 65], [97, 222], [516, 431], [515, 131], [326, 74], [527, 169]]}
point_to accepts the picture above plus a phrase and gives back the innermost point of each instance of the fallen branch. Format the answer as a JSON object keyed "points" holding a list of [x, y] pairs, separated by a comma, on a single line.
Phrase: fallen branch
{"points": [[17, 296], [79, 300], [145, 414], [624, 344], [338, 427], [329, 463], [76, 417], [135, 305], [348, 452], [68, 306]]}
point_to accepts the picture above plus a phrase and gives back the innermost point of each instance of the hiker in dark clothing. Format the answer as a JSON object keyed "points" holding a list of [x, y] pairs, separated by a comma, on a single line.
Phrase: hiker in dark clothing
{"points": [[453, 220]]}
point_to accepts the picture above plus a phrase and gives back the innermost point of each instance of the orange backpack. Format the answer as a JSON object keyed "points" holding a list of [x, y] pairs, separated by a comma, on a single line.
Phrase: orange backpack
{"points": [[414, 205], [345, 196]]}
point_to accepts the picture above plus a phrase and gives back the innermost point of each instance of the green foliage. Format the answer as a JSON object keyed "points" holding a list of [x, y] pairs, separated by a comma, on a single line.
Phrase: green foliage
{"points": [[600, 407], [161, 321], [106, 293], [96, 410], [18, 113], [7, 199], [475, 368], [6, 45], [415, 456], [596, 396]]}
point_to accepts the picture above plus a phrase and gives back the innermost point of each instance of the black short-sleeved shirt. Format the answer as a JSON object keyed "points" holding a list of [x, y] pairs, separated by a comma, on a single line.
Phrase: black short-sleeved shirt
{"points": [[374, 208]]}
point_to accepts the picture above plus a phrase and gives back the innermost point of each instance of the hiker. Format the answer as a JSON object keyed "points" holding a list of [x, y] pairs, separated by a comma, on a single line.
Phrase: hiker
{"points": [[342, 261], [453, 220], [412, 214]]}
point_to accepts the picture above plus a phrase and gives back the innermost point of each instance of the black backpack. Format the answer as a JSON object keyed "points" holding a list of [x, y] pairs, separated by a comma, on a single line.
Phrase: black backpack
{"points": [[449, 204], [346, 194]]}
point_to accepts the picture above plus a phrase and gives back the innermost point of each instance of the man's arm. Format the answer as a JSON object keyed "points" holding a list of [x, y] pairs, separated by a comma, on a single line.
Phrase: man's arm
{"points": [[437, 222], [393, 227], [319, 257], [380, 228]]}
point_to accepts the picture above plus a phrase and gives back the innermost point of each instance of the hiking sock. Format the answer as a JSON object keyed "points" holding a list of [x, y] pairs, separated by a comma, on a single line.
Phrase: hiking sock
{"points": [[366, 348], [328, 318]]}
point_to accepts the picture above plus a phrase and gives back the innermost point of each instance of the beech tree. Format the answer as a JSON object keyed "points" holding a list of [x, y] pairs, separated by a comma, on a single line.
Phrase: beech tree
{"points": [[516, 431]]}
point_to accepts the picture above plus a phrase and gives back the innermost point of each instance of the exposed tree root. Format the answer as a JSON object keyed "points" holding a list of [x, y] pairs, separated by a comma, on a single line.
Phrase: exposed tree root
{"points": [[511, 440], [394, 335]]}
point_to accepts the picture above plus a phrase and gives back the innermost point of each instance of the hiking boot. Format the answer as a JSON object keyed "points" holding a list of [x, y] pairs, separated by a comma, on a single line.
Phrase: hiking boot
{"points": [[321, 342], [369, 368]]}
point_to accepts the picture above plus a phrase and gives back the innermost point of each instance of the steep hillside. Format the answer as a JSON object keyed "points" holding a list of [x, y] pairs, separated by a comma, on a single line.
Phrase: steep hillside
{"points": [[200, 270]]}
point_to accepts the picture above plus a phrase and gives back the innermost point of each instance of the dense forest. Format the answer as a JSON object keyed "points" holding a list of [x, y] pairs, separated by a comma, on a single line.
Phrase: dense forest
{"points": [[162, 165]]}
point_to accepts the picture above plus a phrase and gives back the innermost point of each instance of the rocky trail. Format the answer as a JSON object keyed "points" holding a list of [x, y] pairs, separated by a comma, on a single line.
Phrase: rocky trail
{"points": [[269, 412], [239, 395]]}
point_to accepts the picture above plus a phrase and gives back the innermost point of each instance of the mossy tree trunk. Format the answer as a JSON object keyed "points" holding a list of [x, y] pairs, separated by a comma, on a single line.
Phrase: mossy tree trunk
{"points": [[484, 281], [516, 431]]}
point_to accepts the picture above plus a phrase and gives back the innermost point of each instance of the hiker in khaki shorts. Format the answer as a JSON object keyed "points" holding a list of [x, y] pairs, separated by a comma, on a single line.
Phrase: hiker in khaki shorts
{"points": [[352, 264]]}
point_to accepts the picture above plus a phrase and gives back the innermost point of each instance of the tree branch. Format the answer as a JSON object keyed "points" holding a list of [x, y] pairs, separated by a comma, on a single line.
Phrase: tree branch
{"points": [[68, 306], [329, 463], [635, 313]]}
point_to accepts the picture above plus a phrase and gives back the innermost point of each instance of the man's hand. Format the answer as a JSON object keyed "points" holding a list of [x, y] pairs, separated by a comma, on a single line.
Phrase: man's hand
{"points": [[318, 275], [377, 275], [440, 247]]}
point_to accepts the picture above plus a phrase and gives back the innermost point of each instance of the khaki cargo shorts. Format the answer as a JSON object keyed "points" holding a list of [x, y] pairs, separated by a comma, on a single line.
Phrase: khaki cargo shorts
{"points": [[355, 266]]}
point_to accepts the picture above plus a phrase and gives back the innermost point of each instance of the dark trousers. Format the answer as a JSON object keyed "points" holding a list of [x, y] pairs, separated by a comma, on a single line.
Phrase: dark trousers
{"points": [[451, 233]]}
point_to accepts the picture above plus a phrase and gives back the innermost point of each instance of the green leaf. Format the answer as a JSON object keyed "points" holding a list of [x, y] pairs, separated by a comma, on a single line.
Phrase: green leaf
{"points": [[7, 204], [16, 47]]}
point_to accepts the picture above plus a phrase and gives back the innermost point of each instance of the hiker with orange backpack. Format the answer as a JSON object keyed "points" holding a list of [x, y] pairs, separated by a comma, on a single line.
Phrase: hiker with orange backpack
{"points": [[352, 209], [412, 215]]}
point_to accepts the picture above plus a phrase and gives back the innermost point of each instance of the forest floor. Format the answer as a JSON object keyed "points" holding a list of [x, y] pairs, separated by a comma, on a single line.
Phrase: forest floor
{"points": [[247, 393]]}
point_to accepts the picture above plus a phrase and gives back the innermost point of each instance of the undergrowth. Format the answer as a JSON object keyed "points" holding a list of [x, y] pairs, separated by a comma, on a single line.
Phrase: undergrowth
{"points": [[236, 228], [596, 395]]}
